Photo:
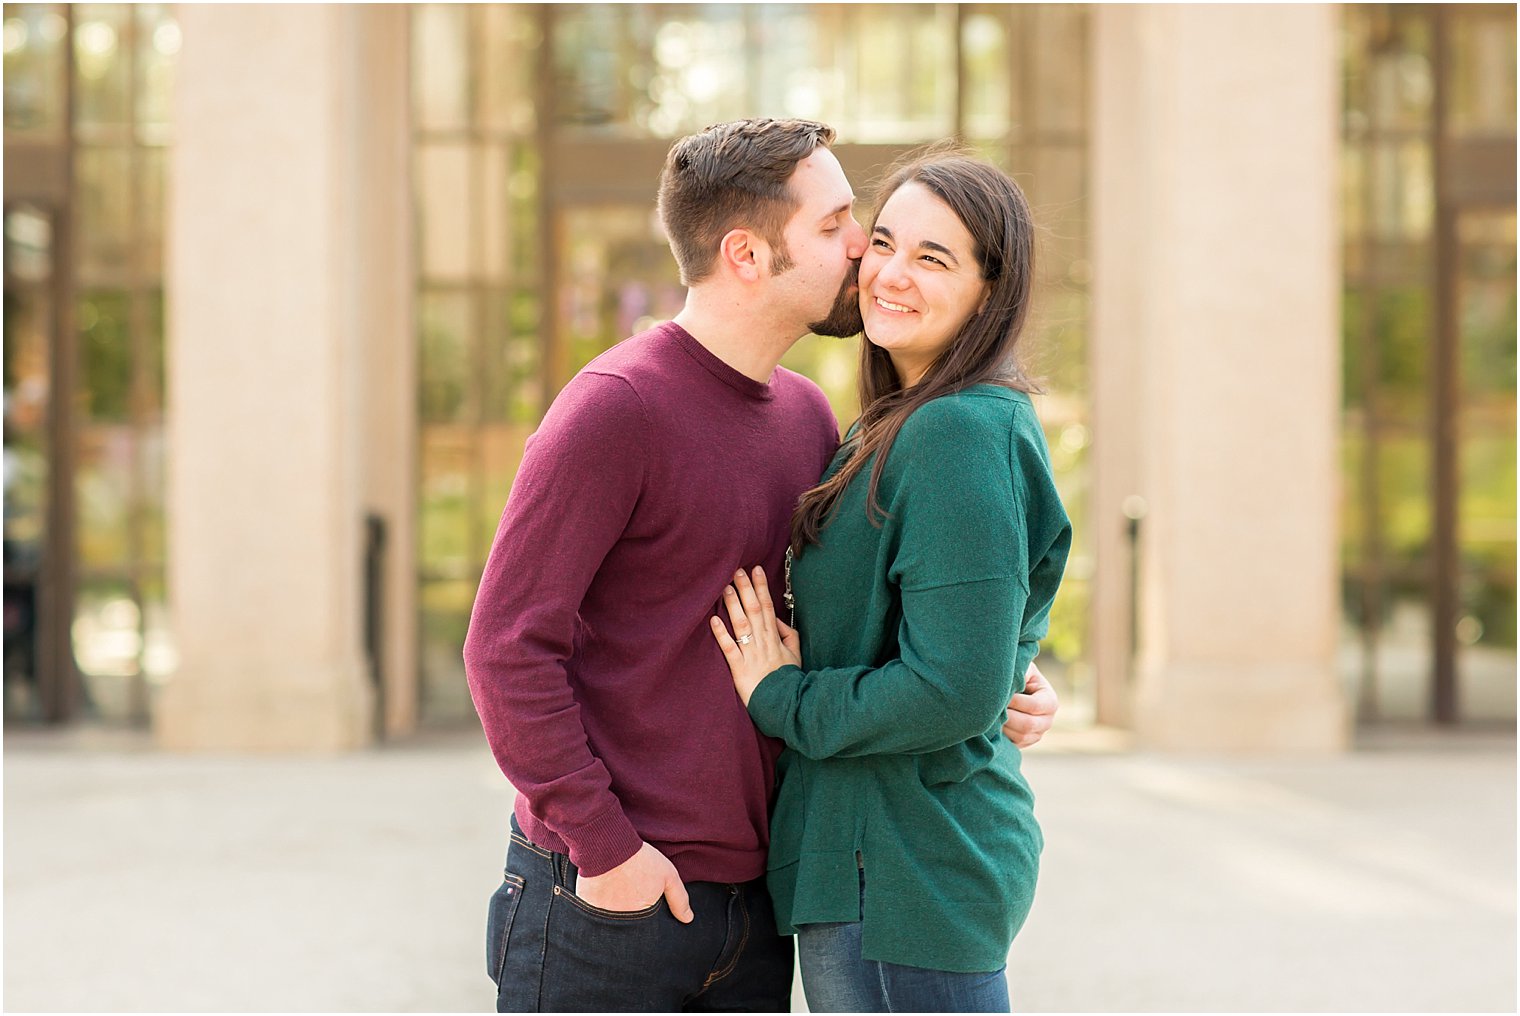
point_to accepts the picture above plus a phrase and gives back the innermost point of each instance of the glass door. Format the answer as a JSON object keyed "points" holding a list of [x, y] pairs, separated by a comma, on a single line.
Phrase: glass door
{"points": [[539, 136], [1429, 437], [40, 680], [1485, 580]]}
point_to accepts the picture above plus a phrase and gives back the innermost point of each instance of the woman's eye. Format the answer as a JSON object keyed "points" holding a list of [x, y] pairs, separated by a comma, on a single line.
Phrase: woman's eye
{"points": [[933, 260]]}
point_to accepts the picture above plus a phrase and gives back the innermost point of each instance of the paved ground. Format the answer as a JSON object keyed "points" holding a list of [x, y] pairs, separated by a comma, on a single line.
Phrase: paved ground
{"points": [[136, 880]]}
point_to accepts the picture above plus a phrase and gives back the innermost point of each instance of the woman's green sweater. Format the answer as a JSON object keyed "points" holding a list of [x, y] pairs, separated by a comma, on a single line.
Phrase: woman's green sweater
{"points": [[915, 635]]}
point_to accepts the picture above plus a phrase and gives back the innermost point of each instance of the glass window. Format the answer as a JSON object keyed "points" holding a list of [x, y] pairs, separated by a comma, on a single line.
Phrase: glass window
{"points": [[151, 403], [160, 656], [1483, 72], [878, 73], [698, 74], [125, 59], [514, 357], [501, 450], [447, 369], [617, 277], [28, 354], [104, 204], [34, 69], [1403, 189], [443, 176], [441, 63], [1486, 513], [102, 63], [120, 92], [108, 645], [103, 485], [524, 243], [985, 47], [495, 184], [831, 364], [512, 36], [1395, 342], [446, 487], [105, 354], [152, 465], [445, 618], [1400, 85], [157, 52], [524, 277]]}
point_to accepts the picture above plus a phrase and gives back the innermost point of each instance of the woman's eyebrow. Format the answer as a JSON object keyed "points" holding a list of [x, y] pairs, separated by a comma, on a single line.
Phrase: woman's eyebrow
{"points": [[941, 248]]}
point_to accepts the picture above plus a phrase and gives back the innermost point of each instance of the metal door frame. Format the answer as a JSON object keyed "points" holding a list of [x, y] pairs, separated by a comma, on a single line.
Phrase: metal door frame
{"points": [[41, 173], [1470, 175]]}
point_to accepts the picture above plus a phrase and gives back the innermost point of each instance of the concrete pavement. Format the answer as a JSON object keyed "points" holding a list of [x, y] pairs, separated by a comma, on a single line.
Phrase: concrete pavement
{"points": [[137, 880]]}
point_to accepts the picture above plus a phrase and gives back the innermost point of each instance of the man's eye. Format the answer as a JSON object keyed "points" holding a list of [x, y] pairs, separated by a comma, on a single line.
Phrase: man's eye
{"points": [[879, 242]]}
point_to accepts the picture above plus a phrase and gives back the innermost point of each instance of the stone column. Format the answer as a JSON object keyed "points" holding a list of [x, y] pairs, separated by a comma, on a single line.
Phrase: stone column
{"points": [[385, 311], [1216, 370], [272, 335]]}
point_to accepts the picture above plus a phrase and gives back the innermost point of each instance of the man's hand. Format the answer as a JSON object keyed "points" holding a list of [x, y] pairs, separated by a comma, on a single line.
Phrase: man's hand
{"points": [[637, 883], [1031, 713]]}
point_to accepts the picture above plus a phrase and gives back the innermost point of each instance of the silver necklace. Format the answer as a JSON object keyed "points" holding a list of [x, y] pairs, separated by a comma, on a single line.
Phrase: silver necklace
{"points": [[791, 601]]}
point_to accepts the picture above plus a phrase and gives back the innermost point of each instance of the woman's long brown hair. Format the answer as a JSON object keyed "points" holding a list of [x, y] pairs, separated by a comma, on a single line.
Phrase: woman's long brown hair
{"points": [[995, 213]]}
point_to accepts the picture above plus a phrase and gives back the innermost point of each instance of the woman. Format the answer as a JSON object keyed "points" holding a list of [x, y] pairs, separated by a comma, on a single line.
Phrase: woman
{"points": [[904, 847]]}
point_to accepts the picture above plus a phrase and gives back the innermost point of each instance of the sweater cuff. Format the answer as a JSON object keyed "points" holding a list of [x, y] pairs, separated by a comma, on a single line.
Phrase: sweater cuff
{"points": [[602, 844], [1027, 651], [772, 697]]}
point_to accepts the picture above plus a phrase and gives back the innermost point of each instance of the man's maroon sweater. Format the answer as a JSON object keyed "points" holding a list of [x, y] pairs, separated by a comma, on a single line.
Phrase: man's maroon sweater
{"points": [[657, 472]]}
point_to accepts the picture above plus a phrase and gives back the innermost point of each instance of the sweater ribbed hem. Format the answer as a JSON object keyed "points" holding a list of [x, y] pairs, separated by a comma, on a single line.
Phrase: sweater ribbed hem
{"points": [[603, 843]]}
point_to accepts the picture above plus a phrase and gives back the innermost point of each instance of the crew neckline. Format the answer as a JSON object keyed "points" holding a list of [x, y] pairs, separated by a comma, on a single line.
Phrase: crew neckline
{"points": [[742, 383]]}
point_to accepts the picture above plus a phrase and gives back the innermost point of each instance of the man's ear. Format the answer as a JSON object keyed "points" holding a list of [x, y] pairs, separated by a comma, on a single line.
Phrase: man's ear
{"points": [[744, 254]]}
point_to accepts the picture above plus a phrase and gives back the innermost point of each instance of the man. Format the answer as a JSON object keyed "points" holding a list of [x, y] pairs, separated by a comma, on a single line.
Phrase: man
{"points": [[635, 873]]}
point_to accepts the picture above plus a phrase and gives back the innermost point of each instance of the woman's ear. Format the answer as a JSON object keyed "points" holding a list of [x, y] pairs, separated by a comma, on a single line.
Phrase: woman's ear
{"points": [[744, 254]]}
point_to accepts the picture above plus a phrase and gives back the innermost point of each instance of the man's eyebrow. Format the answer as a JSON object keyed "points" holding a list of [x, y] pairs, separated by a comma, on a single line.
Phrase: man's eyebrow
{"points": [[841, 210]]}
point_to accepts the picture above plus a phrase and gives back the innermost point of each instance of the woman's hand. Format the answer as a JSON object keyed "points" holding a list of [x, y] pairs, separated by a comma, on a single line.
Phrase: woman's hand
{"points": [[761, 642]]}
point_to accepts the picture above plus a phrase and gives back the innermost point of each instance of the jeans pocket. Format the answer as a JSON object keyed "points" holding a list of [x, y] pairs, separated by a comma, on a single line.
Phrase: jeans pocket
{"points": [[610, 915], [499, 923]]}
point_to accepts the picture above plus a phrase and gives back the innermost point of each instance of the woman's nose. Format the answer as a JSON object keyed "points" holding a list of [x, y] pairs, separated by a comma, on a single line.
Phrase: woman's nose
{"points": [[892, 273]]}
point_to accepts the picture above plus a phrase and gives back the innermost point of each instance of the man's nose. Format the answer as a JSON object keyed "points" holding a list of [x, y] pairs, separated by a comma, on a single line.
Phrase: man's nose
{"points": [[857, 248]]}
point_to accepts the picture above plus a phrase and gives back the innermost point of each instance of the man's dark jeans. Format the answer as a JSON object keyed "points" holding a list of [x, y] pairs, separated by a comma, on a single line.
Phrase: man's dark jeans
{"points": [[550, 951]]}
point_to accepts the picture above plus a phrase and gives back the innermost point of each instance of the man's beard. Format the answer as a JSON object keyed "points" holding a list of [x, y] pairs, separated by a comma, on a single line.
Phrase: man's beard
{"points": [[844, 317]]}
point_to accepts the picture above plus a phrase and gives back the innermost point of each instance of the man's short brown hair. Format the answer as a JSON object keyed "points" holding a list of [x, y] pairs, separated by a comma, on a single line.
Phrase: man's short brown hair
{"points": [[731, 176]]}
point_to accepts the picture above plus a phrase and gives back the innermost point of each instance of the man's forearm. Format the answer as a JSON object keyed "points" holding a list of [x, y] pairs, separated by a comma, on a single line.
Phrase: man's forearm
{"points": [[580, 476]]}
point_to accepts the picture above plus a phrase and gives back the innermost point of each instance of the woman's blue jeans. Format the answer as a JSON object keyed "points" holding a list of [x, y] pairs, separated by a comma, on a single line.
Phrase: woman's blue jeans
{"points": [[837, 978]]}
